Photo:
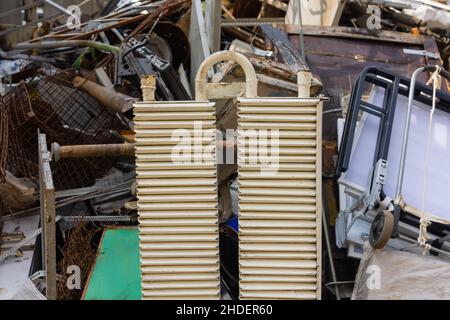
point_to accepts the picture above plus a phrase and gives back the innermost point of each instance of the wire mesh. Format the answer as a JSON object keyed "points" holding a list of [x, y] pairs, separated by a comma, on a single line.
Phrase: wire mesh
{"points": [[17, 105], [68, 116]]}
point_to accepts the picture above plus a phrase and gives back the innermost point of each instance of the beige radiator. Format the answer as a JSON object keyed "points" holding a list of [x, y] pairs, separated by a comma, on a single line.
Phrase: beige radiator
{"points": [[177, 201], [279, 205]]}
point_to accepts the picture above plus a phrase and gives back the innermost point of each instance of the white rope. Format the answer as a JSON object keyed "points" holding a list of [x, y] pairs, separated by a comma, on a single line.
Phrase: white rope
{"points": [[424, 221]]}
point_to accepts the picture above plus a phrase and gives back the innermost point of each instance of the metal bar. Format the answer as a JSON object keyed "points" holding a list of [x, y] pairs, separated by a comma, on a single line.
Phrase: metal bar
{"points": [[329, 251], [300, 33], [58, 7], [250, 22], [67, 43], [98, 218], [213, 20], [92, 150], [401, 170], [48, 238]]}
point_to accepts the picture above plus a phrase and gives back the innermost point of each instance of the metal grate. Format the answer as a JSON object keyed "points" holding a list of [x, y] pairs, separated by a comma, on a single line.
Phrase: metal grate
{"points": [[279, 208], [178, 223]]}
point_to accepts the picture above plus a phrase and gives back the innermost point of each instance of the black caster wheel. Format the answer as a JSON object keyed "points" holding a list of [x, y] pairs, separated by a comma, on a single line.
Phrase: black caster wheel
{"points": [[381, 229]]}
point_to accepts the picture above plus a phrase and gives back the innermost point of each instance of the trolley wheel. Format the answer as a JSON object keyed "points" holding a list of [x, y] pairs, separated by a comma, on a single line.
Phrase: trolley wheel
{"points": [[381, 229]]}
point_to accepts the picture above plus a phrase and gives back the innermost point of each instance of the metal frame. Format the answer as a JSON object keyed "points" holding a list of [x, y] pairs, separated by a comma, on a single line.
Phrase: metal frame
{"points": [[393, 85]]}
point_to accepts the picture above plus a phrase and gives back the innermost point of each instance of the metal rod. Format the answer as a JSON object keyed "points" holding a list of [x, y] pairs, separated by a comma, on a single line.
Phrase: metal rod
{"points": [[67, 43], [58, 7], [118, 190], [302, 40], [401, 170], [329, 251], [117, 102], [92, 150], [431, 248]]}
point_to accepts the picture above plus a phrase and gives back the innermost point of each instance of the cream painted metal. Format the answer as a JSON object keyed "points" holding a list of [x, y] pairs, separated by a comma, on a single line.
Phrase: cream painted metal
{"points": [[280, 210], [178, 223], [177, 203], [279, 214]]}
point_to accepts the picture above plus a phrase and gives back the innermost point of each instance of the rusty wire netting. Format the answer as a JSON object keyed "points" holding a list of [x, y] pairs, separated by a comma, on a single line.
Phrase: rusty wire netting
{"points": [[77, 111], [17, 105], [66, 115], [78, 250]]}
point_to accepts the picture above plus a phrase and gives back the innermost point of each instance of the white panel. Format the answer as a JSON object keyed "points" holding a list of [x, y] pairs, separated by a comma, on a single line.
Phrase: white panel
{"points": [[178, 224], [280, 212]]}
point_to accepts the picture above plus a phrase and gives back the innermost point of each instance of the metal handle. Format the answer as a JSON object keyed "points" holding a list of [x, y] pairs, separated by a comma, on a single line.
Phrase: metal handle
{"points": [[404, 149], [250, 75]]}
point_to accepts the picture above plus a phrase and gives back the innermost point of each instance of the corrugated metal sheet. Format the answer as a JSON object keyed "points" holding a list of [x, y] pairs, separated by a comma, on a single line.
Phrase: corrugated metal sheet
{"points": [[280, 213], [178, 224]]}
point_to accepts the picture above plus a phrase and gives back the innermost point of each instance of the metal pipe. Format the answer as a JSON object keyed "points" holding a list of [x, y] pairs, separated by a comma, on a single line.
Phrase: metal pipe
{"points": [[436, 250], [68, 43], [300, 34], [117, 102], [91, 150], [58, 7], [304, 78], [401, 170], [329, 251], [148, 87], [108, 150]]}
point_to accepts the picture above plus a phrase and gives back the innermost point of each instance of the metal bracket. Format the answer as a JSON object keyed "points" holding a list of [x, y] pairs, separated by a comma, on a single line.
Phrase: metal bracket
{"points": [[422, 53], [378, 180]]}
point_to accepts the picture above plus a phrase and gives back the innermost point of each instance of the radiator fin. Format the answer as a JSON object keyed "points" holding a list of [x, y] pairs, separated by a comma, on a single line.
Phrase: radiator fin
{"points": [[178, 223], [279, 209]]}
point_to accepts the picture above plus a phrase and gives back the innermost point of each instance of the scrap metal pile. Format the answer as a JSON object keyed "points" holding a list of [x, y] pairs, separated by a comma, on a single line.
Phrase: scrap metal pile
{"points": [[77, 84]]}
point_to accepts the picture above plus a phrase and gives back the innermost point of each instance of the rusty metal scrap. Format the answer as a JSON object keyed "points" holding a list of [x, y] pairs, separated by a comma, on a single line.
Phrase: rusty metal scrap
{"points": [[117, 102], [16, 104], [68, 116]]}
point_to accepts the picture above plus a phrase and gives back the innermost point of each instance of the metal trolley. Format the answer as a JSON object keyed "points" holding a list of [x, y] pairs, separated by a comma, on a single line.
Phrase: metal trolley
{"points": [[386, 222]]}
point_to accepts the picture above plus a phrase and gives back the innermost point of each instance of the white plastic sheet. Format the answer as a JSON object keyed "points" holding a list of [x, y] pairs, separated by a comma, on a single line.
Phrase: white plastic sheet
{"points": [[398, 275]]}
